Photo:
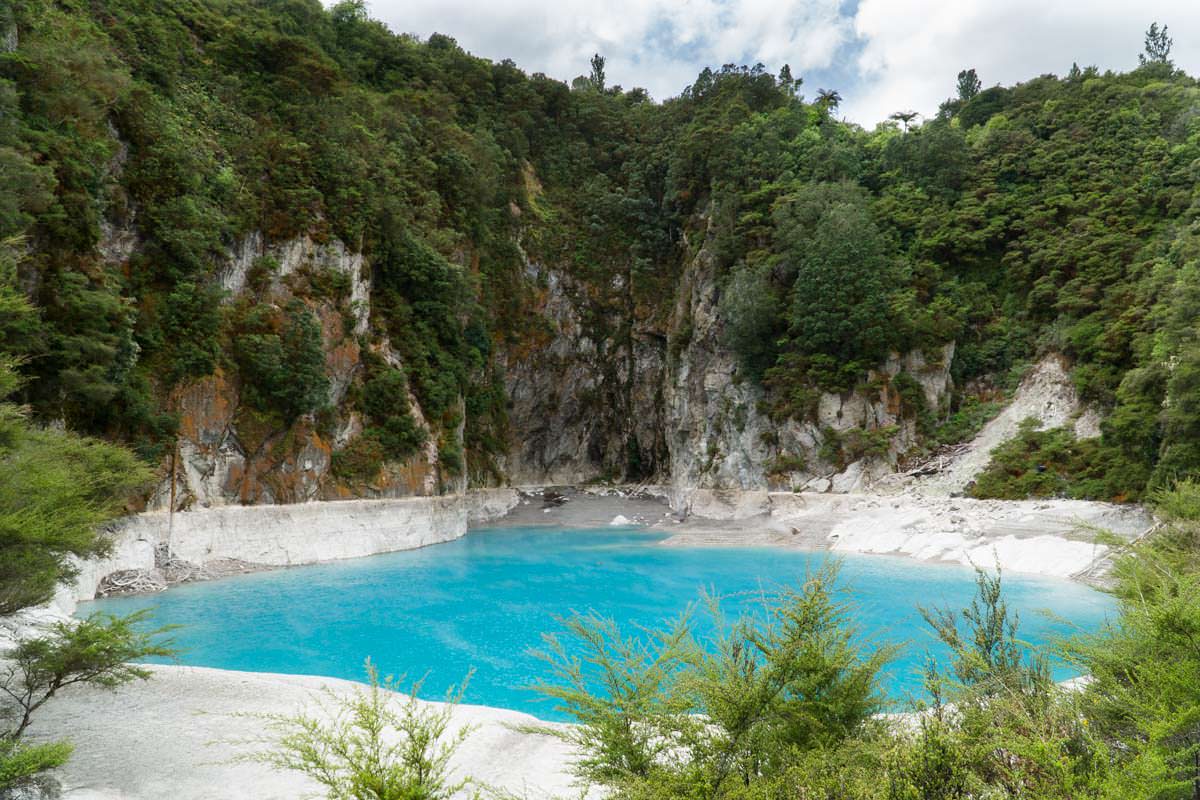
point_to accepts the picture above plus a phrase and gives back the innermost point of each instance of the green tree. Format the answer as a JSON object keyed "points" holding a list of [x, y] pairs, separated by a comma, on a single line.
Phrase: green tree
{"points": [[55, 491], [385, 399], [1158, 45], [596, 78], [751, 308], [905, 118], [968, 85], [841, 275], [828, 101], [19, 322], [193, 322], [96, 651]]}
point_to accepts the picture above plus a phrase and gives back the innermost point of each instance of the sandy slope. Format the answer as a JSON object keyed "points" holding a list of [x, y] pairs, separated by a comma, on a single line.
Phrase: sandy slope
{"points": [[1046, 394], [1043, 537], [174, 737]]}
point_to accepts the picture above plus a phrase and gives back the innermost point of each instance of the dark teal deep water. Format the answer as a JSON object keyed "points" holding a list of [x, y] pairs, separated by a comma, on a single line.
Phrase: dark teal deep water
{"points": [[481, 603]]}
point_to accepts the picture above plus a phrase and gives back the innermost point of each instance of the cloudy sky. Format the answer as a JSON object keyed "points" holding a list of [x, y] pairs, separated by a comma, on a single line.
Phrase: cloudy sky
{"points": [[881, 55]]}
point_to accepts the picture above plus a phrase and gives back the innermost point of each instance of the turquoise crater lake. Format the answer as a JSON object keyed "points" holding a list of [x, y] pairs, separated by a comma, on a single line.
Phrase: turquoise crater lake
{"points": [[482, 601]]}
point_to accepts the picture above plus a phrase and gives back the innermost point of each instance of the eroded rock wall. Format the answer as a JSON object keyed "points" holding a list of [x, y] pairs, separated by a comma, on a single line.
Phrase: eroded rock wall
{"points": [[584, 391], [290, 534], [662, 398], [600, 387], [227, 454], [720, 438]]}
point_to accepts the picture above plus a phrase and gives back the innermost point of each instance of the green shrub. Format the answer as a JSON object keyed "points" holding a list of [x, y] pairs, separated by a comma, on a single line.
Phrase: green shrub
{"points": [[360, 460], [1143, 694], [667, 714], [370, 745], [262, 271], [20, 761], [912, 395], [281, 360], [450, 458], [783, 464], [328, 283], [965, 421], [391, 423], [1053, 463], [858, 443]]}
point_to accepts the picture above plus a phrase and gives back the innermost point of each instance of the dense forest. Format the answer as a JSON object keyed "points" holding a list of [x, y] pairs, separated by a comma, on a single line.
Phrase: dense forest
{"points": [[139, 141]]}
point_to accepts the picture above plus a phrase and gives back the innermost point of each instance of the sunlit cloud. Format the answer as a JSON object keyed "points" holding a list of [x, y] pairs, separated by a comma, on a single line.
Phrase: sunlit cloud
{"points": [[881, 55]]}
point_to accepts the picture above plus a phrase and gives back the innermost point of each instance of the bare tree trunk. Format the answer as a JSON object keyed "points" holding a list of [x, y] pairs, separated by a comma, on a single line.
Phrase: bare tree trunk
{"points": [[171, 507]]}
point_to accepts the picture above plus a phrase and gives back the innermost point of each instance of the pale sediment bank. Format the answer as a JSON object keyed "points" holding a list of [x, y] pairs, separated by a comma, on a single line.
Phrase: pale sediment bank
{"points": [[1055, 538], [1047, 537], [176, 736], [288, 535]]}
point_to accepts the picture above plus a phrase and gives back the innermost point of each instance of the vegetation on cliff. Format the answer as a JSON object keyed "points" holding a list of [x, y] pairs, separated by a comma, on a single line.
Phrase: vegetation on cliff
{"points": [[140, 142]]}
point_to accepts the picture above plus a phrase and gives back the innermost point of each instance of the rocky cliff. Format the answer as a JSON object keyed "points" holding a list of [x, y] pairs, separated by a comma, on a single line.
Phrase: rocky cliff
{"points": [[226, 453], [586, 395], [661, 397], [601, 390]]}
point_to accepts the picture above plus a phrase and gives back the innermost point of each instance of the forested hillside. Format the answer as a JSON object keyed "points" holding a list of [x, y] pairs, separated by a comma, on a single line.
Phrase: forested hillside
{"points": [[284, 233]]}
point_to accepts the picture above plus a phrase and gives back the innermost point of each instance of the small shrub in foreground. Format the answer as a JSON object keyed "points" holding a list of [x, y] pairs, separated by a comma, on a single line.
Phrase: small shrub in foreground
{"points": [[684, 712], [362, 747], [96, 651]]}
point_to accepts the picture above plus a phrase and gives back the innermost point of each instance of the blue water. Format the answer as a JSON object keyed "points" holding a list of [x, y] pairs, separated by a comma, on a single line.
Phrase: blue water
{"points": [[480, 603]]}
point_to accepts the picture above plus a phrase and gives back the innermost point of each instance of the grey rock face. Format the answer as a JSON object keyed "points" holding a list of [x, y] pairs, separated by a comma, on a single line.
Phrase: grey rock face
{"points": [[41, 787], [583, 403], [294, 254], [600, 388], [225, 456], [673, 396]]}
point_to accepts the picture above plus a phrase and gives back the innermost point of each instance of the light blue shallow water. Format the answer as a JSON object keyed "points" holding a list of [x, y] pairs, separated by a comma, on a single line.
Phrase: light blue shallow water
{"points": [[481, 603]]}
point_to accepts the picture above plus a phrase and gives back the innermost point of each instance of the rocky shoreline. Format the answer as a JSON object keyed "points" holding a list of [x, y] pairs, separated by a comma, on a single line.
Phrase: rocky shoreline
{"points": [[1053, 538], [233, 539]]}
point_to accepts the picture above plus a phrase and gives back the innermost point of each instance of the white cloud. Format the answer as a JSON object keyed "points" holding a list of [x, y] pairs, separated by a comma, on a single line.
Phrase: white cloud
{"points": [[660, 46], [883, 56], [913, 49]]}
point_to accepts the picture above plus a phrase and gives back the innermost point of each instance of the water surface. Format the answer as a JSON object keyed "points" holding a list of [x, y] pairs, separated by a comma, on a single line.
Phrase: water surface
{"points": [[481, 603]]}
